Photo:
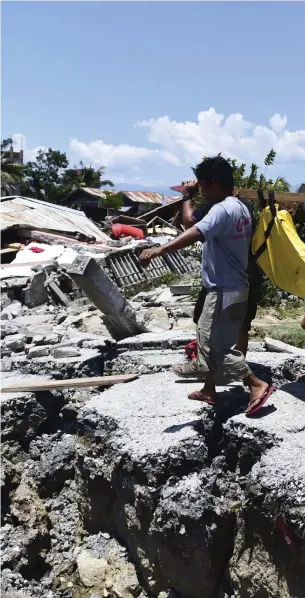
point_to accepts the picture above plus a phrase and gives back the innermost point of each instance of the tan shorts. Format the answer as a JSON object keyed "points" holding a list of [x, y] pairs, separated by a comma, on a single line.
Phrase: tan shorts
{"points": [[218, 331]]}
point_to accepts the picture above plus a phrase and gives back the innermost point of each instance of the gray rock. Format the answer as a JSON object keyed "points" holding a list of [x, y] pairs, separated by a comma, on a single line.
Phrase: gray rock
{"points": [[166, 297], [185, 324], [22, 414], [64, 352], [6, 364], [5, 316], [257, 346], [52, 339], [35, 352], [181, 289], [280, 347], [8, 328], [156, 319], [92, 571], [54, 462], [11, 311], [15, 343], [36, 293]]}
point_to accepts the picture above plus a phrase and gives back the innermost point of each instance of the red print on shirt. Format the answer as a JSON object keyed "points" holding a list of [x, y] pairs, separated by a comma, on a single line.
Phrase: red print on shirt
{"points": [[242, 223]]}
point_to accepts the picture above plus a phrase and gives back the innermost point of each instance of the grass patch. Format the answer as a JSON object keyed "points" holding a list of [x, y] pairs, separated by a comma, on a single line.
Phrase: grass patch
{"points": [[287, 331]]}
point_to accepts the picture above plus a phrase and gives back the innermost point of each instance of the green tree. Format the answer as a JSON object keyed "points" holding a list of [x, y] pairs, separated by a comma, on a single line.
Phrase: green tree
{"points": [[43, 176], [111, 200], [11, 173], [256, 180], [84, 176]]}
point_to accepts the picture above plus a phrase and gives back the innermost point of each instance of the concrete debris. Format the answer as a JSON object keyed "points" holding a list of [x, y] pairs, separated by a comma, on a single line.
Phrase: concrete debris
{"points": [[15, 343], [119, 318], [36, 293], [135, 491], [64, 352], [8, 328], [156, 319], [35, 352], [181, 289], [11, 311], [279, 346]]}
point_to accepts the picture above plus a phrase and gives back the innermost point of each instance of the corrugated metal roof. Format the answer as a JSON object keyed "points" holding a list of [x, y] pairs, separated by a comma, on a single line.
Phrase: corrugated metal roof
{"points": [[24, 212], [95, 192], [145, 197]]}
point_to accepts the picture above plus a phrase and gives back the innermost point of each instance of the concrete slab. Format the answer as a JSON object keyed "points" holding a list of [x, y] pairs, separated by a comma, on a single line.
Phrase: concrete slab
{"points": [[285, 413], [167, 339], [162, 473], [152, 415]]}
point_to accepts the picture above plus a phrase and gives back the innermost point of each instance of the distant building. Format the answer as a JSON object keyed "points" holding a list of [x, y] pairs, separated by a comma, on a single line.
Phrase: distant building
{"points": [[135, 203], [16, 157]]}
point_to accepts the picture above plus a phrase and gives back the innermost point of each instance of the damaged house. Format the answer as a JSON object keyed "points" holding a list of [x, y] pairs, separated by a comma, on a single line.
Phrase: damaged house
{"points": [[135, 203]]}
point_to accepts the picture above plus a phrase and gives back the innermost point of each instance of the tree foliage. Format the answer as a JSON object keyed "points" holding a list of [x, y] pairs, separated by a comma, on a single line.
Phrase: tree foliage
{"points": [[11, 173], [84, 176], [43, 176], [111, 200], [255, 180], [50, 178]]}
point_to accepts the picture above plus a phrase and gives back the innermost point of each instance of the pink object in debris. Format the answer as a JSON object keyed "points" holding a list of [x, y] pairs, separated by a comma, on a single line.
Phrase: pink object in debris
{"points": [[36, 249]]}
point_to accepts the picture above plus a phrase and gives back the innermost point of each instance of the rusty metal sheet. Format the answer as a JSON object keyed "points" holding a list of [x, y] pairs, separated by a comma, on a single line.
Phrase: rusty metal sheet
{"points": [[145, 197], [23, 212]]}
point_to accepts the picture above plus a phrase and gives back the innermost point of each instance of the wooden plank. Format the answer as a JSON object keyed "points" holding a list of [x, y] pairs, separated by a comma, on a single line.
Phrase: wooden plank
{"points": [[280, 196], [8, 250], [38, 385]]}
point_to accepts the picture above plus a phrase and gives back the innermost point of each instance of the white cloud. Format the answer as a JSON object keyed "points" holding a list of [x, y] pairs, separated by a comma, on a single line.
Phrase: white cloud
{"points": [[183, 144], [113, 156], [232, 136], [171, 147]]}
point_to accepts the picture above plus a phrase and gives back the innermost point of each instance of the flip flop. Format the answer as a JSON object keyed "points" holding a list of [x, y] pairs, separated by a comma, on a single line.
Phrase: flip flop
{"points": [[198, 396], [262, 400]]}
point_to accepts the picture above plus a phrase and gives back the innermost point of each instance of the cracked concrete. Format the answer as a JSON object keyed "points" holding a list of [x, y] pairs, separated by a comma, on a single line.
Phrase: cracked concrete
{"points": [[137, 491]]}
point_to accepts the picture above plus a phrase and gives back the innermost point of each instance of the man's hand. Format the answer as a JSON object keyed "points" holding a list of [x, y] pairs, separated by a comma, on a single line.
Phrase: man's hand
{"points": [[190, 188], [148, 254]]}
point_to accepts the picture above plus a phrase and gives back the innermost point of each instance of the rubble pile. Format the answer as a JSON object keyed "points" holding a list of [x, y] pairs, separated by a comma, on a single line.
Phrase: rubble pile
{"points": [[135, 491]]}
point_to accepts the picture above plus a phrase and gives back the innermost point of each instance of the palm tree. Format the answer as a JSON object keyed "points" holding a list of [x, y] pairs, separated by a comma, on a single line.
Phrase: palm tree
{"points": [[11, 173], [89, 177], [280, 184]]}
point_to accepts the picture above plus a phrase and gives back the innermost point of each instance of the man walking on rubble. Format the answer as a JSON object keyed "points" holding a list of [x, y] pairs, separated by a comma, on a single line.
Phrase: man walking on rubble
{"points": [[226, 234], [191, 215]]}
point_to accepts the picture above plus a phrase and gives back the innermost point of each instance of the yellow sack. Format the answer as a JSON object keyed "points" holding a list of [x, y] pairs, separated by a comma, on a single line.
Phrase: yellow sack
{"points": [[279, 251]]}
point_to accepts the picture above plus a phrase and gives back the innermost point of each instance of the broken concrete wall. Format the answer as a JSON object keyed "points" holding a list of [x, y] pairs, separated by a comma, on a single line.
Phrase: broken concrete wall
{"points": [[119, 317]]}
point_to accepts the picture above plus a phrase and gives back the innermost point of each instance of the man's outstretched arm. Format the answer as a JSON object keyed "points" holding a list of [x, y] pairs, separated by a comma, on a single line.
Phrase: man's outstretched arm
{"points": [[189, 237]]}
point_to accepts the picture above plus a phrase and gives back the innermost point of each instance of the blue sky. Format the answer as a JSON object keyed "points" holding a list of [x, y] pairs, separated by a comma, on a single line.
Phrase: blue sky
{"points": [[79, 76]]}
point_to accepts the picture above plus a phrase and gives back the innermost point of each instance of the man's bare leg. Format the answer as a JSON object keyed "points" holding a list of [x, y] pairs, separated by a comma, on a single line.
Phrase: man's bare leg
{"points": [[208, 393]]}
